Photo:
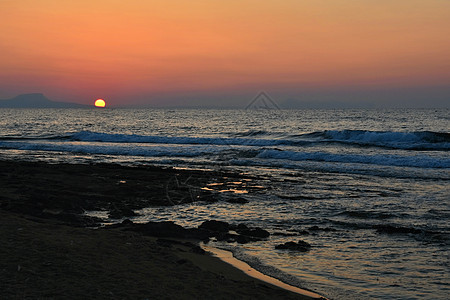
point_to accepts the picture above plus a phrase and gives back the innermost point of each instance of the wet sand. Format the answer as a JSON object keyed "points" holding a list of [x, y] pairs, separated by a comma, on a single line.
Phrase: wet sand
{"points": [[49, 251]]}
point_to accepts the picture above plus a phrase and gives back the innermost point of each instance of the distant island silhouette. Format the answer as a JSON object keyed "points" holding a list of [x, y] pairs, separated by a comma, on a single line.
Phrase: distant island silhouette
{"points": [[37, 100]]}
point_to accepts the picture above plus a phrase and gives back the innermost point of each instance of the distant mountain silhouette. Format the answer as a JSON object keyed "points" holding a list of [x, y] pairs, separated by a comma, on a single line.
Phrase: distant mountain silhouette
{"points": [[37, 100]]}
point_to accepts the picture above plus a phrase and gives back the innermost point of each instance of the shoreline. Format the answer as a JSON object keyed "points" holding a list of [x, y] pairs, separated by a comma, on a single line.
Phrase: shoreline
{"points": [[41, 259], [228, 257], [46, 238]]}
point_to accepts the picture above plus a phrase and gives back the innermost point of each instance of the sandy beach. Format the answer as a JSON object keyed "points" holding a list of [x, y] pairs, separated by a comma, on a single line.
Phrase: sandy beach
{"points": [[51, 250]]}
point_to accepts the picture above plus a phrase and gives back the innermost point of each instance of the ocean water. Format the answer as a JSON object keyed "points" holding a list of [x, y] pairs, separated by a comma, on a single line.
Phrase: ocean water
{"points": [[368, 189]]}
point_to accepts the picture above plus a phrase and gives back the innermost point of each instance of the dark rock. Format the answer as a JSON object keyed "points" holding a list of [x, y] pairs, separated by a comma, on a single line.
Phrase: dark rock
{"points": [[119, 213], [73, 219], [255, 232], [207, 230], [199, 234], [214, 225], [166, 229], [161, 229], [231, 238], [242, 239], [127, 222], [301, 246], [224, 236], [169, 243], [279, 233], [240, 227], [239, 200]]}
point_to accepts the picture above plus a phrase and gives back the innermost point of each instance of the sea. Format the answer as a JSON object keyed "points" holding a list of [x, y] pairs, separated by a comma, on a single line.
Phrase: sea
{"points": [[369, 189]]}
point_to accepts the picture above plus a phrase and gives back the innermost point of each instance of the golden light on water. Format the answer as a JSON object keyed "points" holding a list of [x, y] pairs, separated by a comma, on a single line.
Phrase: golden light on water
{"points": [[100, 103]]}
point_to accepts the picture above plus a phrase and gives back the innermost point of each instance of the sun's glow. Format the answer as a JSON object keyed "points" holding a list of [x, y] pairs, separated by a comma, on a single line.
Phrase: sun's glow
{"points": [[100, 103]]}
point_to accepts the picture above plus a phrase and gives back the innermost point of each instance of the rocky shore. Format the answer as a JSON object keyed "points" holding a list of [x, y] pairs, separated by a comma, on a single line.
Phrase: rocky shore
{"points": [[50, 249]]}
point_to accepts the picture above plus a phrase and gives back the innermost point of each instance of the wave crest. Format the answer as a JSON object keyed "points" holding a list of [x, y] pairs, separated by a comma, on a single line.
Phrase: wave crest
{"points": [[422, 140]]}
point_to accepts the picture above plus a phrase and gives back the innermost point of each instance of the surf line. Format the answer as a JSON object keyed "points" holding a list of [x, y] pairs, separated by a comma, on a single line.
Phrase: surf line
{"points": [[228, 257]]}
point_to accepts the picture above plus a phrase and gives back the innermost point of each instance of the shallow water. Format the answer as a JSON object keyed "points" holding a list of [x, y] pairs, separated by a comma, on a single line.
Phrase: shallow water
{"points": [[350, 173]]}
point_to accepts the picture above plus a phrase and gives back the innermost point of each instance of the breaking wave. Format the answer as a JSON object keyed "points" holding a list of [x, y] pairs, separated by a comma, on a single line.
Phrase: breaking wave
{"points": [[422, 140], [271, 157], [419, 140]]}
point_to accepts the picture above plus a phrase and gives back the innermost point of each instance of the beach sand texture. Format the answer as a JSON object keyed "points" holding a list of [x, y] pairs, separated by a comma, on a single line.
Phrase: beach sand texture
{"points": [[48, 252]]}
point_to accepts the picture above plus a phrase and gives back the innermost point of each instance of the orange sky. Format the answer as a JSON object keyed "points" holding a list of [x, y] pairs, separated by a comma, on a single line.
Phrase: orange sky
{"points": [[125, 50]]}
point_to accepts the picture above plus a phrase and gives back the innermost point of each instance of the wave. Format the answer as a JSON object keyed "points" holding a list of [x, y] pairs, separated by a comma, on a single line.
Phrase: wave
{"points": [[423, 140], [236, 155], [88, 136], [419, 140]]}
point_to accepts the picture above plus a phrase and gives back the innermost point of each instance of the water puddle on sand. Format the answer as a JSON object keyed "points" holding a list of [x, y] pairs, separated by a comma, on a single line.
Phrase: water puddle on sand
{"points": [[227, 257]]}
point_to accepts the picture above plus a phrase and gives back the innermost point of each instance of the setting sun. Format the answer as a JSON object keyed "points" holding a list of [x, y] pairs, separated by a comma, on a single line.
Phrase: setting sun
{"points": [[100, 103]]}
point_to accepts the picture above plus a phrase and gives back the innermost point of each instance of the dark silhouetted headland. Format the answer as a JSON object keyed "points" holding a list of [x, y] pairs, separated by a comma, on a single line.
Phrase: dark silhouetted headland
{"points": [[37, 100]]}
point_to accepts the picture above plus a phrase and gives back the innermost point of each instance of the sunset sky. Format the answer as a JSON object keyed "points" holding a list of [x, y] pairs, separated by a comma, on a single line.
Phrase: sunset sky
{"points": [[222, 53]]}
